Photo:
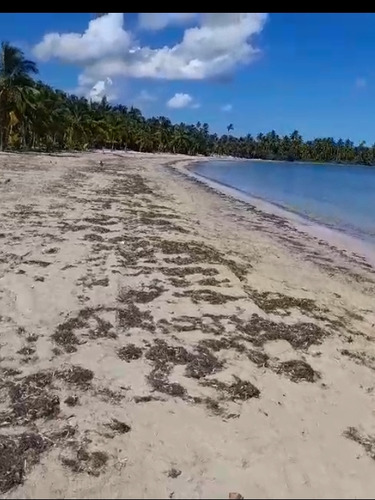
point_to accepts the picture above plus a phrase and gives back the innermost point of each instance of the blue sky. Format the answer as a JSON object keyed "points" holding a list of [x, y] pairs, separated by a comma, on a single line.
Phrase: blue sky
{"points": [[314, 72]]}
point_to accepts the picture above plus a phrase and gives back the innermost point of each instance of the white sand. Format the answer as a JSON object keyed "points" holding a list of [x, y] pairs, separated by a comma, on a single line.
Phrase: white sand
{"points": [[286, 443]]}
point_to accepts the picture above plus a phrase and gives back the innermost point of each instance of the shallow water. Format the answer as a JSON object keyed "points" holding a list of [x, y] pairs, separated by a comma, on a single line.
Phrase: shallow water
{"points": [[341, 197]]}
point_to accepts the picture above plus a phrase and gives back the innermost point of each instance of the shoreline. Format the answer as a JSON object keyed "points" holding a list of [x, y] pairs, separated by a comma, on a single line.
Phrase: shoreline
{"points": [[333, 236]]}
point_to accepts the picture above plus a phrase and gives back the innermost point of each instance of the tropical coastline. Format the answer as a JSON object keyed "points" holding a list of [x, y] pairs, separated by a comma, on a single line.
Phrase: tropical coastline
{"points": [[156, 332], [41, 118]]}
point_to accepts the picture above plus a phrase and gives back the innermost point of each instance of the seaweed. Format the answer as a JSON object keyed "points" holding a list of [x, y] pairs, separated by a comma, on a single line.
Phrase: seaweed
{"points": [[238, 390], [130, 352], [297, 371]]}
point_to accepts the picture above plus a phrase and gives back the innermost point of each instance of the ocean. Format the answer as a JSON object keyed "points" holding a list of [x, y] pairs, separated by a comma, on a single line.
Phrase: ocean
{"points": [[340, 197]]}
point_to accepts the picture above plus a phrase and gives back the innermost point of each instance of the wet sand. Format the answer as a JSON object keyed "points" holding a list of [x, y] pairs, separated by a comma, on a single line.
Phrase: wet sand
{"points": [[161, 339]]}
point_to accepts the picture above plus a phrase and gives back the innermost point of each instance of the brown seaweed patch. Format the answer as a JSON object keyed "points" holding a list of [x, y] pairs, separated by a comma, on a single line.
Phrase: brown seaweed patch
{"points": [[238, 390], [64, 334], [361, 358], [40, 263], [15, 453], [164, 357], [118, 426], [174, 473], [203, 363], [83, 461], [202, 253], [179, 261], [32, 338], [210, 282], [162, 353], [271, 302], [162, 224], [93, 237], [68, 266], [100, 248], [207, 324], [257, 357], [108, 395], [71, 400], [367, 442], [76, 375], [100, 229], [103, 329], [147, 294], [145, 399], [130, 352], [66, 337], [182, 272], [26, 351], [132, 316], [66, 226], [297, 371], [179, 282], [209, 296], [10, 372], [300, 335], [97, 282], [223, 343], [131, 184], [158, 379], [102, 220], [52, 250], [30, 399], [212, 405]]}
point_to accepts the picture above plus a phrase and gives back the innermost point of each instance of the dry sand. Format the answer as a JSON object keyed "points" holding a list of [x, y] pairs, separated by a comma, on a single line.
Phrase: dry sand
{"points": [[161, 340]]}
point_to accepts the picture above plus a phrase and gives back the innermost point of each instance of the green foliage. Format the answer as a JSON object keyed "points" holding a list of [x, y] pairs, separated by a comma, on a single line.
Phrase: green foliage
{"points": [[34, 116]]}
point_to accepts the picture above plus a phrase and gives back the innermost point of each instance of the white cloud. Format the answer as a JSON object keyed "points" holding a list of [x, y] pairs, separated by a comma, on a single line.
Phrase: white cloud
{"points": [[226, 108], [361, 83], [99, 90], [159, 21], [179, 101], [214, 47], [104, 38], [95, 92]]}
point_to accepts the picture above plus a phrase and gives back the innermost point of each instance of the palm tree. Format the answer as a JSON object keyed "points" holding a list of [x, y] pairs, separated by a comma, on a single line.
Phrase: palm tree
{"points": [[16, 89], [34, 115]]}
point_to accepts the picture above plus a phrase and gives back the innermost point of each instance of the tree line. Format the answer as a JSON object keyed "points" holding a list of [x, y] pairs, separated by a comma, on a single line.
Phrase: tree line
{"points": [[35, 116]]}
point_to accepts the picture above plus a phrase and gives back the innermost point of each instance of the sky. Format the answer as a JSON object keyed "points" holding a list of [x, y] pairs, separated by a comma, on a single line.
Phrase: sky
{"points": [[310, 72]]}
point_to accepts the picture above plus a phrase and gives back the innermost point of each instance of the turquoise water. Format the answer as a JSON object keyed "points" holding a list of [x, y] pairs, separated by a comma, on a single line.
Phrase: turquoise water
{"points": [[341, 197]]}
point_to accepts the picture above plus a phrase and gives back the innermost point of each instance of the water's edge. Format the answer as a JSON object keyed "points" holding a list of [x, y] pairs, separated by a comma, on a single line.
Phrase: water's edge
{"points": [[302, 222]]}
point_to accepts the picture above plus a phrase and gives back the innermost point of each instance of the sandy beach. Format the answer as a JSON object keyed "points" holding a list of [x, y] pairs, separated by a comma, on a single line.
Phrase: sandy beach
{"points": [[162, 340]]}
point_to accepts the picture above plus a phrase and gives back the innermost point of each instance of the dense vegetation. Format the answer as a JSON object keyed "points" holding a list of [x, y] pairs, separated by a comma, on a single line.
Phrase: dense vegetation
{"points": [[34, 116]]}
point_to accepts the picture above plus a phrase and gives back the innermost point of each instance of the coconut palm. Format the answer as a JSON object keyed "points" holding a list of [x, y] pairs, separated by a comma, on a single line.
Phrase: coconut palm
{"points": [[16, 89], [34, 115]]}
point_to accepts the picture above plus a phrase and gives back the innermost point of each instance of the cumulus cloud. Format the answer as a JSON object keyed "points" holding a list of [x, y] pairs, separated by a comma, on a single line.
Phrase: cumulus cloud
{"points": [[104, 37], [159, 21], [179, 101], [99, 90], [95, 92], [226, 108], [214, 47]]}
